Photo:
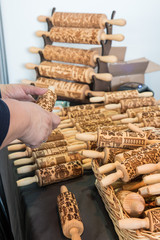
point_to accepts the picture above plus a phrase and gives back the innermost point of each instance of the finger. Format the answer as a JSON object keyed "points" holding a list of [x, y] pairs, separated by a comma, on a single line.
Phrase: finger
{"points": [[32, 90], [55, 120]]}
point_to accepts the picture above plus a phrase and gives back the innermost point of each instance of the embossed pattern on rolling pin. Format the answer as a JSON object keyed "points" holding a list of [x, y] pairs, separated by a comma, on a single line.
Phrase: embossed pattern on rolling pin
{"points": [[68, 208], [57, 159], [79, 20], [115, 97], [49, 151], [120, 139], [70, 55], [148, 154], [47, 100], [59, 173], [65, 71], [136, 102], [66, 89], [76, 35], [132, 112]]}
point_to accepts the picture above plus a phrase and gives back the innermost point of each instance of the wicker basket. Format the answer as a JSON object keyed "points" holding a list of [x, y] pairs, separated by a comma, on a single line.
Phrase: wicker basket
{"points": [[116, 212]]}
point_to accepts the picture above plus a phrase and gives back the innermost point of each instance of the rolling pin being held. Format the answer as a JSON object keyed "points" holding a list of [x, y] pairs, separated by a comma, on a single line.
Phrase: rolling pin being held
{"points": [[125, 104], [115, 97], [81, 20], [151, 221], [71, 222], [58, 173], [73, 55], [47, 100], [68, 72], [79, 35], [126, 170]]}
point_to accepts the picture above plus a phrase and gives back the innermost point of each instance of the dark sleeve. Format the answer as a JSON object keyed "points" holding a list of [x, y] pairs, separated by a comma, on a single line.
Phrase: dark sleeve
{"points": [[4, 120]]}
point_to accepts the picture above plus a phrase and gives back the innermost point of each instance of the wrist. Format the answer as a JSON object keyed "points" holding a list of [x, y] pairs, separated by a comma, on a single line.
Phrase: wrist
{"points": [[19, 120]]}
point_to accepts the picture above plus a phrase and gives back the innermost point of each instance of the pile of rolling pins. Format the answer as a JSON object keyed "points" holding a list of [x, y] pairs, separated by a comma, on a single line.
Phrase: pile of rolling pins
{"points": [[71, 70]]}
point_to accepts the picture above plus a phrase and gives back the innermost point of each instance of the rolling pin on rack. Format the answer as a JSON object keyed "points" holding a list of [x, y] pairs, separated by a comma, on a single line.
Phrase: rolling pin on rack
{"points": [[82, 28]]}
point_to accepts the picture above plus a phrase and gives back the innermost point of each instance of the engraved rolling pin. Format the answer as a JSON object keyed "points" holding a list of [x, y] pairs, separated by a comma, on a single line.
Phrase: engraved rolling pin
{"points": [[79, 35], [68, 72], [151, 221], [71, 222], [119, 157], [131, 113], [48, 161], [64, 89], [123, 105], [139, 117], [81, 108], [126, 170], [81, 20], [115, 97], [47, 100], [72, 55], [132, 203], [47, 152], [117, 139], [58, 173]]}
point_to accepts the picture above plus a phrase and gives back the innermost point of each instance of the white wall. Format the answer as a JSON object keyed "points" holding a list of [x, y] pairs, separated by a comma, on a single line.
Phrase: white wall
{"points": [[142, 32]]}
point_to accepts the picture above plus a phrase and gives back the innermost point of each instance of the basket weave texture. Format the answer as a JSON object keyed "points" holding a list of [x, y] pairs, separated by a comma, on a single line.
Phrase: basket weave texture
{"points": [[116, 212]]}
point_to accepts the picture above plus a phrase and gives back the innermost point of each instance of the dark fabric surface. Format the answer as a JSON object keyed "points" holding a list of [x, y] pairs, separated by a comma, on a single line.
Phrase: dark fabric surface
{"points": [[33, 210], [4, 120]]}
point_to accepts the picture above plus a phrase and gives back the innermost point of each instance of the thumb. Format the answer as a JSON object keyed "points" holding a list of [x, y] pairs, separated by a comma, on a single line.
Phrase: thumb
{"points": [[55, 120], [32, 90]]}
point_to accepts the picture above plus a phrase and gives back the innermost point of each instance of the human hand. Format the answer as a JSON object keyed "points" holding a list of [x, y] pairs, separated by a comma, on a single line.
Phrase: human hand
{"points": [[20, 92], [30, 123]]}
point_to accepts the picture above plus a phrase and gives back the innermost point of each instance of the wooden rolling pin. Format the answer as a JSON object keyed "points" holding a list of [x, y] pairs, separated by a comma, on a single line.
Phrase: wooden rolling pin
{"points": [[131, 113], [132, 203], [151, 221], [83, 107], [71, 222], [126, 170], [64, 89], [90, 122], [68, 72], [47, 152], [73, 55], [58, 173], [115, 97], [140, 116], [49, 161], [47, 100], [81, 20], [125, 104], [116, 139], [79, 35]]}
